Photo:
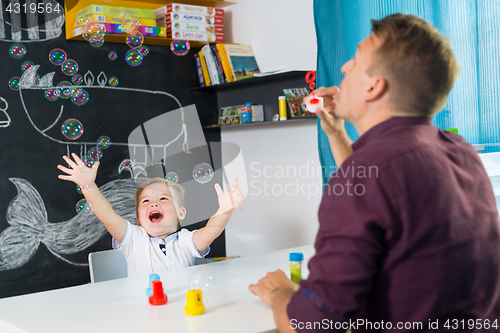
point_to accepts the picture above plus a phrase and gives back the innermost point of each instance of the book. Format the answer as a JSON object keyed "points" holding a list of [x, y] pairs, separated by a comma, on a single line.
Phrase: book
{"points": [[237, 114], [204, 68], [225, 62], [211, 66], [162, 20], [219, 64], [112, 28], [257, 113], [225, 113], [102, 18], [197, 27], [242, 60], [189, 9], [199, 70], [294, 99], [113, 10], [193, 35]]}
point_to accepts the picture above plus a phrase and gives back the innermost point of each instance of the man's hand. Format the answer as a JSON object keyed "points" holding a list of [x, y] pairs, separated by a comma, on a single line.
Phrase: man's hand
{"points": [[331, 124], [79, 172], [229, 201], [328, 95], [274, 288]]}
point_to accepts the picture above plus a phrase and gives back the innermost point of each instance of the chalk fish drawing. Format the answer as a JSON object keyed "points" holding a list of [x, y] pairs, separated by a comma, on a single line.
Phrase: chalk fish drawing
{"points": [[6, 122], [27, 217], [28, 82], [39, 26]]}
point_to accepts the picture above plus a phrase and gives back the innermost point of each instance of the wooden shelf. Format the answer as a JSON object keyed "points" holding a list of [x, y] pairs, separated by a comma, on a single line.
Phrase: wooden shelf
{"points": [[71, 7], [252, 81]]}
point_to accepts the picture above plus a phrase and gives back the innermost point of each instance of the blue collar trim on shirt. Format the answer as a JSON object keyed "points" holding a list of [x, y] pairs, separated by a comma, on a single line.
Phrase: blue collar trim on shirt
{"points": [[169, 238]]}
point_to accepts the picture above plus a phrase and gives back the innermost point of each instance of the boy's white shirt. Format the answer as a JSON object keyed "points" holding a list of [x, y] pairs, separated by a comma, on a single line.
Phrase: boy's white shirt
{"points": [[144, 255]]}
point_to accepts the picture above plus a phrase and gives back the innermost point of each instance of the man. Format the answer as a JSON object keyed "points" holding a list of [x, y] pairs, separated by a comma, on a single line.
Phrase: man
{"points": [[415, 244]]}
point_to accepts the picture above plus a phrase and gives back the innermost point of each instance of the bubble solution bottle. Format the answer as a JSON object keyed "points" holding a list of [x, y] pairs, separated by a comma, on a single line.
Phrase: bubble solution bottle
{"points": [[296, 259]]}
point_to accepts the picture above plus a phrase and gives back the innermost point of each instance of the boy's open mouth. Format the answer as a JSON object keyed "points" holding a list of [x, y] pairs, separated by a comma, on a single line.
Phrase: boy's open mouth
{"points": [[155, 216]]}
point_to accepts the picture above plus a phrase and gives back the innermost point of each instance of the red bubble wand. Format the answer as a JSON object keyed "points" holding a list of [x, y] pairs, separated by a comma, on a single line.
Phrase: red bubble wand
{"points": [[310, 78], [313, 102]]}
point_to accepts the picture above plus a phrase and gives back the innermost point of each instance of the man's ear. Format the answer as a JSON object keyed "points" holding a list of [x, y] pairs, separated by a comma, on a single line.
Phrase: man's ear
{"points": [[137, 219], [376, 89], [181, 213]]}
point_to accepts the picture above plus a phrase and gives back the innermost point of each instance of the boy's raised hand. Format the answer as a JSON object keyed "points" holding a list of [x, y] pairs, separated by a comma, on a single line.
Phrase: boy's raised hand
{"points": [[79, 172], [229, 201]]}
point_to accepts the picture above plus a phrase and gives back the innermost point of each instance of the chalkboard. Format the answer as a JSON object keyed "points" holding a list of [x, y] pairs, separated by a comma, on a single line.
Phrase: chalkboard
{"points": [[44, 243]]}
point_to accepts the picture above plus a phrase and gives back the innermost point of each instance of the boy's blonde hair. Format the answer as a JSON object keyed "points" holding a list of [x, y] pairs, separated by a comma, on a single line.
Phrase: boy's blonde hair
{"points": [[176, 190]]}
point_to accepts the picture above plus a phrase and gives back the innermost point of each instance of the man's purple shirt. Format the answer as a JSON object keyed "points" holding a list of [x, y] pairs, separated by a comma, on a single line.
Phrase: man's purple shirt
{"points": [[409, 232]]}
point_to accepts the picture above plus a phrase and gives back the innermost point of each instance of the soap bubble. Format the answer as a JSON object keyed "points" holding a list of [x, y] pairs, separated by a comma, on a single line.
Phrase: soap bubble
{"points": [[57, 56], [27, 65], [172, 178], [72, 129], [144, 50], [83, 207], [93, 28], [76, 90], [15, 83], [69, 67], [235, 280], [123, 16], [95, 153], [84, 20], [65, 89], [81, 188], [88, 163], [52, 94], [180, 47], [79, 96], [112, 56], [202, 280], [17, 51], [203, 173], [135, 40], [113, 81], [96, 39], [77, 79], [134, 24], [133, 57], [104, 142], [126, 165]]}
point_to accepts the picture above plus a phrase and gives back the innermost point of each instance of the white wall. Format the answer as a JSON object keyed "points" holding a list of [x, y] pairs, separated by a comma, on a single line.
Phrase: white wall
{"points": [[281, 160], [284, 187], [281, 32]]}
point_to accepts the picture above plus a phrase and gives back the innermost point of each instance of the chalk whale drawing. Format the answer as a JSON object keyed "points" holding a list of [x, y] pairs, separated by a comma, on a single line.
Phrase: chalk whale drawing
{"points": [[39, 27], [29, 83], [27, 217], [6, 122]]}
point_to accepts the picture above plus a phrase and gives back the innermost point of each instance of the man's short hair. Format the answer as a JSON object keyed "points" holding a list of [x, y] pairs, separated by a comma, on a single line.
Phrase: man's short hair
{"points": [[417, 63]]}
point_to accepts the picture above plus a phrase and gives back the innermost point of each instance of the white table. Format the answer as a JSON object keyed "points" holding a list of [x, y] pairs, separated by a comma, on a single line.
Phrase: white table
{"points": [[122, 305]]}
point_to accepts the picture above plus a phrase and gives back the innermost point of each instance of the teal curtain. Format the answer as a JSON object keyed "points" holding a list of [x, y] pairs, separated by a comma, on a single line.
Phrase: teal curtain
{"points": [[472, 26]]}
